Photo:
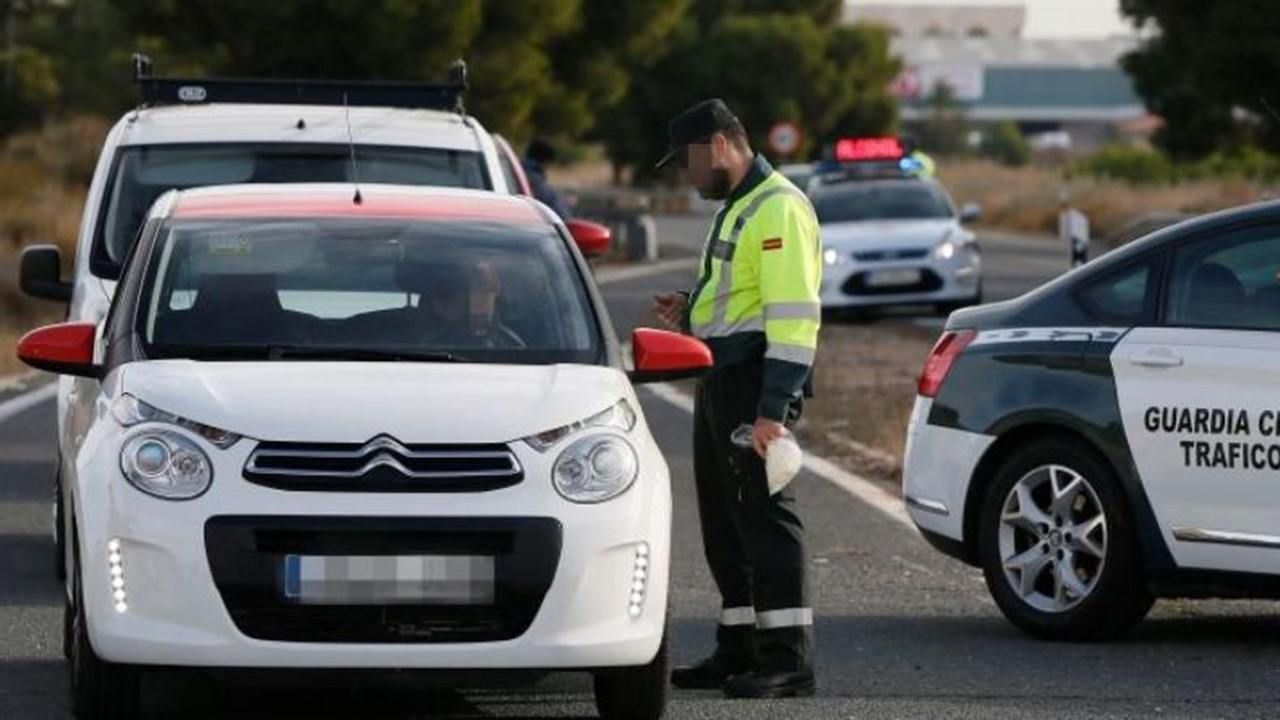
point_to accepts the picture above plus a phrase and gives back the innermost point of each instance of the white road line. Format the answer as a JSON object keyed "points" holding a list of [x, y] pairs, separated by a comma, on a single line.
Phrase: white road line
{"points": [[859, 487], [27, 400], [606, 276]]}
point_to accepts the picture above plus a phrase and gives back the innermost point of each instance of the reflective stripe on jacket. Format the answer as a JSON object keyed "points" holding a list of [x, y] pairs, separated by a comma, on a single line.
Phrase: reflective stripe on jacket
{"points": [[758, 293]]}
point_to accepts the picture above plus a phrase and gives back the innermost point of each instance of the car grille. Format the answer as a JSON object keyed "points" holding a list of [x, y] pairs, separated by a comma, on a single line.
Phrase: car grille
{"points": [[886, 255], [857, 285], [383, 465], [247, 553]]}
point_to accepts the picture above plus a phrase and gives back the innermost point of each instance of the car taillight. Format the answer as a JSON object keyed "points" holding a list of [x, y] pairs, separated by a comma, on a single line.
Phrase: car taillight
{"points": [[944, 353]]}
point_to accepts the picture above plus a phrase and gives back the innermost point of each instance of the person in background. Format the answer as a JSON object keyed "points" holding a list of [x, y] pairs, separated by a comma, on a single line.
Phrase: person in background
{"points": [[1073, 229], [537, 157]]}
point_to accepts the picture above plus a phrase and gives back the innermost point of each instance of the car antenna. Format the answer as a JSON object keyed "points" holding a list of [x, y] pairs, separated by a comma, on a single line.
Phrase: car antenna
{"points": [[351, 143]]}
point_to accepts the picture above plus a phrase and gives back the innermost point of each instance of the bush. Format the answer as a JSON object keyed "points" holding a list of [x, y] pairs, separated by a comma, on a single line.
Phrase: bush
{"points": [[1005, 145], [1137, 166], [1245, 161]]}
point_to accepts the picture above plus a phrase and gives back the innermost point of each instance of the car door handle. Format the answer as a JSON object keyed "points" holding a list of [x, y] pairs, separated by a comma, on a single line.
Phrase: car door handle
{"points": [[1156, 358]]}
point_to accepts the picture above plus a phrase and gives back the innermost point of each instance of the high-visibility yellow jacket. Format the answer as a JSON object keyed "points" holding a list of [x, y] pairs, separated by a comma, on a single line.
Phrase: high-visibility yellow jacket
{"points": [[758, 291]]}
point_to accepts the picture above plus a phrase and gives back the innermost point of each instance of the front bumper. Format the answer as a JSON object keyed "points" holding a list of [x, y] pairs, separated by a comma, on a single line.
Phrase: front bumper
{"points": [[178, 605], [938, 467], [849, 283]]}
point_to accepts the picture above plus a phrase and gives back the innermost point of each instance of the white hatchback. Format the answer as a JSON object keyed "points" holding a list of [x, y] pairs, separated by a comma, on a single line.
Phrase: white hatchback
{"points": [[387, 433]]}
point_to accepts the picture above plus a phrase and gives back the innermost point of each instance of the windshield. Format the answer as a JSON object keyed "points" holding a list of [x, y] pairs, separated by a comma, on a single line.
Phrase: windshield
{"points": [[854, 202], [143, 172], [361, 289]]}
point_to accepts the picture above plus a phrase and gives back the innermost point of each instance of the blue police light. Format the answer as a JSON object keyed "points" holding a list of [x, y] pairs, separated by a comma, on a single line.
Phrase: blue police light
{"points": [[910, 165]]}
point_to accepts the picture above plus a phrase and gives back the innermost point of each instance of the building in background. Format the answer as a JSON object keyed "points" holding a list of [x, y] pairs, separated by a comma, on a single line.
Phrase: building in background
{"points": [[1064, 94]]}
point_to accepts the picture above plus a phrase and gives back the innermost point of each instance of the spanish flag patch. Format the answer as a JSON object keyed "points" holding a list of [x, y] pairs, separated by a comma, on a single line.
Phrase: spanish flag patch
{"points": [[772, 244]]}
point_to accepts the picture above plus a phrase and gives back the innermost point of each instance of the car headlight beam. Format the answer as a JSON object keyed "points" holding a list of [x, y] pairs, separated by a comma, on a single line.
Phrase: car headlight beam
{"points": [[595, 468]]}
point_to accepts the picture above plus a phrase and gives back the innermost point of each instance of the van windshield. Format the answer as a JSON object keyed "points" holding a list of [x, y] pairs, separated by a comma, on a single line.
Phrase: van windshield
{"points": [[142, 173], [365, 289]]}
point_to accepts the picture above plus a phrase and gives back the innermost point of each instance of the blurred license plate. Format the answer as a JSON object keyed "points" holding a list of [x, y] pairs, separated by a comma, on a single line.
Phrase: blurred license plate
{"points": [[889, 278], [389, 579]]}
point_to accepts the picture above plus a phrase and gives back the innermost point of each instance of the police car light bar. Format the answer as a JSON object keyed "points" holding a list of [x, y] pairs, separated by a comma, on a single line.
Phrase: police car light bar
{"points": [[190, 91], [869, 148]]}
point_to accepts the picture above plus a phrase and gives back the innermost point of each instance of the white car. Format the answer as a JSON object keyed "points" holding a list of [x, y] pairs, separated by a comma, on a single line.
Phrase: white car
{"points": [[896, 241], [393, 433], [191, 133]]}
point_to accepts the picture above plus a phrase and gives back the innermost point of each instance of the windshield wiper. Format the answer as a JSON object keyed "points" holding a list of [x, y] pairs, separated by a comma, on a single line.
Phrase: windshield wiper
{"points": [[304, 352]]}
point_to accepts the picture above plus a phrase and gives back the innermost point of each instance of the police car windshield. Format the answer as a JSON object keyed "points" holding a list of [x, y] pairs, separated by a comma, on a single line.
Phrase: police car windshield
{"points": [[360, 289], [896, 200], [143, 172]]}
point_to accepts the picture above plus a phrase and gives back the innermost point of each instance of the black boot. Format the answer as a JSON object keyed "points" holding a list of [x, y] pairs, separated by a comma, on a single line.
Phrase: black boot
{"points": [[735, 653], [771, 684]]}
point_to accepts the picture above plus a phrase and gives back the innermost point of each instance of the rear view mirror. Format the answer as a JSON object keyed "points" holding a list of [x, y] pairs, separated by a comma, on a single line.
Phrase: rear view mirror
{"points": [[970, 213], [660, 356], [66, 349], [41, 274], [591, 238]]}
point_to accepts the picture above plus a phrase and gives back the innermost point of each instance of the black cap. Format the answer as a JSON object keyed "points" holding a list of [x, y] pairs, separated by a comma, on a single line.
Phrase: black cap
{"points": [[696, 124]]}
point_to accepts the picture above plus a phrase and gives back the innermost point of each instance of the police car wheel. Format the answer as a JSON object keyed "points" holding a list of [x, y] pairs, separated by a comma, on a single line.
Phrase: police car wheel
{"points": [[634, 693], [1057, 545]]}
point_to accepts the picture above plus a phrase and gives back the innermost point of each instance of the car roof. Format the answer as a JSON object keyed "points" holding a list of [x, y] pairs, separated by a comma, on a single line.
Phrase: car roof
{"points": [[337, 200], [324, 124]]}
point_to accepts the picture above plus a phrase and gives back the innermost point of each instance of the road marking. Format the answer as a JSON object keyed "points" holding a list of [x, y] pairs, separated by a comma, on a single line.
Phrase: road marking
{"points": [[606, 276], [859, 487], [27, 400]]}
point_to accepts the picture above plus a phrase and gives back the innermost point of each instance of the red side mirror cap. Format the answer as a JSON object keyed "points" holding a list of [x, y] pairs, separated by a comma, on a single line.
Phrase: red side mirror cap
{"points": [[661, 356], [66, 349], [591, 238]]}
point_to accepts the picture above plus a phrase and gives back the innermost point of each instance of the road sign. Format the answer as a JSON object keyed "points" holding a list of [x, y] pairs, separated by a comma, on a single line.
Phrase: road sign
{"points": [[784, 138]]}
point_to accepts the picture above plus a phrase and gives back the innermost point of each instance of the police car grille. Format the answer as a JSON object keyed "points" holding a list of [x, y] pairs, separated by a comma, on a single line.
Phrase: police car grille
{"points": [[383, 465], [885, 255]]}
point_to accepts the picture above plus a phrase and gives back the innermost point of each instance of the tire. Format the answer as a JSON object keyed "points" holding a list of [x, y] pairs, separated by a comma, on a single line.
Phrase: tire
{"points": [[59, 527], [1077, 580], [634, 693], [100, 690]]}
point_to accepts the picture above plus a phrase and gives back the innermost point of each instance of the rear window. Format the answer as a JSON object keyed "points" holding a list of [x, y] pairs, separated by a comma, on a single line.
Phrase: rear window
{"points": [[143, 173]]}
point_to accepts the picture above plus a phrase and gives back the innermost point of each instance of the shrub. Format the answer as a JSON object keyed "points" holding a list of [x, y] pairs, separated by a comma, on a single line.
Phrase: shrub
{"points": [[1138, 166], [1005, 145]]}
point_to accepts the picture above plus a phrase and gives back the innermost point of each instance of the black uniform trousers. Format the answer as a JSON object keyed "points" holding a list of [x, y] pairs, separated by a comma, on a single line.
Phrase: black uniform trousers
{"points": [[754, 543]]}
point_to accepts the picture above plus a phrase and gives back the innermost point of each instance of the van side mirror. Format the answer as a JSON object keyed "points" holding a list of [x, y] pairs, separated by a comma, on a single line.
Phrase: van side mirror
{"points": [[660, 356], [40, 274], [591, 238], [65, 348]]}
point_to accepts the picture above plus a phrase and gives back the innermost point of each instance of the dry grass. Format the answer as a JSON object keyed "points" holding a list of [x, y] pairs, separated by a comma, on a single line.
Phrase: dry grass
{"points": [[865, 385], [1026, 199], [43, 177]]}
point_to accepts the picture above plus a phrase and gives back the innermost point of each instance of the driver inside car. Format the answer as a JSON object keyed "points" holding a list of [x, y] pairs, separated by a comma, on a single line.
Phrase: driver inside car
{"points": [[458, 306]]}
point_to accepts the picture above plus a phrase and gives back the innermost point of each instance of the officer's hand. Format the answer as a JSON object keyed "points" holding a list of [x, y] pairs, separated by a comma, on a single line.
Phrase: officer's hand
{"points": [[765, 431], [669, 309]]}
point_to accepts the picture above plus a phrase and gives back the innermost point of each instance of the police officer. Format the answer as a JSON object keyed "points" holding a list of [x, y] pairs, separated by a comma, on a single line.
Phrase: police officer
{"points": [[756, 305]]}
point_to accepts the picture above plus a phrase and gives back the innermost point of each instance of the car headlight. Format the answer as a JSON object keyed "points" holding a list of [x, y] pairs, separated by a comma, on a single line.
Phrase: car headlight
{"points": [[831, 256], [129, 411], [945, 250], [595, 468], [619, 416], [166, 464]]}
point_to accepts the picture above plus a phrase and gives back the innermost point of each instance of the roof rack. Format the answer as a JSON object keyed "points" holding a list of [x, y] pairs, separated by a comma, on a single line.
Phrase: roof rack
{"points": [[196, 91]]}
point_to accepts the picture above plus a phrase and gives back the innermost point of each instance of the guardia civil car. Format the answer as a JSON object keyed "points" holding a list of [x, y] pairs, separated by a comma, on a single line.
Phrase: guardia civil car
{"points": [[392, 429], [1113, 436]]}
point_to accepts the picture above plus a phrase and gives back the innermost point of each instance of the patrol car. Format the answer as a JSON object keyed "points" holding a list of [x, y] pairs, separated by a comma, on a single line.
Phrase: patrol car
{"points": [[194, 132], [387, 433], [889, 236], [1113, 436]]}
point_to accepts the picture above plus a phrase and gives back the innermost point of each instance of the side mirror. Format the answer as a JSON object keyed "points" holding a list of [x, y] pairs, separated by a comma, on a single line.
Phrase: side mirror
{"points": [[41, 274], [660, 356], [592, 238], [66, 349], [970, 213]]}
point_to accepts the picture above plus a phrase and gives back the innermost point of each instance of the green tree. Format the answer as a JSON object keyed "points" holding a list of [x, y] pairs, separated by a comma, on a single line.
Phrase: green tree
{"points": [[1209, 72], [946, 129], [1005, 144]]}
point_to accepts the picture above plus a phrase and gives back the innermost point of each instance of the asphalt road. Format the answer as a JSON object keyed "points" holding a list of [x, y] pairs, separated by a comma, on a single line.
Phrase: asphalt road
{"points": [[901, 630]]}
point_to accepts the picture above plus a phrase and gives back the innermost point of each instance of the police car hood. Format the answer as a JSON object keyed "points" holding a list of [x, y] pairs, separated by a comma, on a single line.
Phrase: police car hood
{"points": [[897, 234], [352, 402]]}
